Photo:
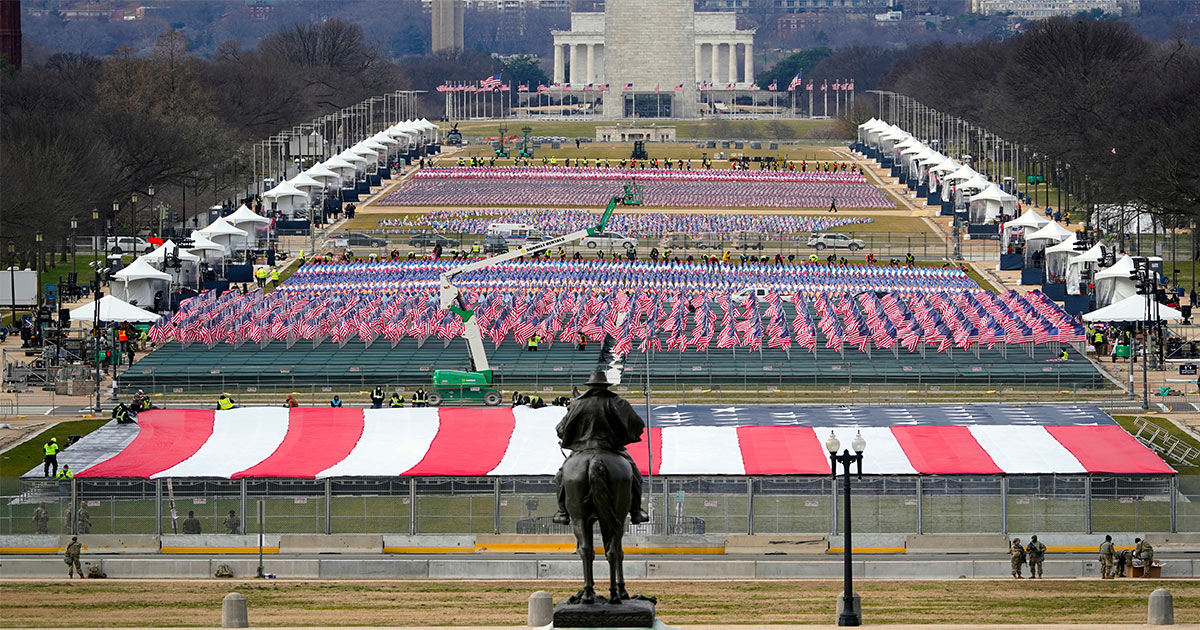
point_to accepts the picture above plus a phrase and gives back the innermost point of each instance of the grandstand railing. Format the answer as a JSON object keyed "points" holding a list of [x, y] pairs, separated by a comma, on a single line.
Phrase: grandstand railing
{"points": [[678, 505]]}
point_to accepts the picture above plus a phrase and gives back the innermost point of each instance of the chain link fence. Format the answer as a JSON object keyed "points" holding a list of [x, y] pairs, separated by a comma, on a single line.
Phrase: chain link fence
{"points": [[933, 504]]}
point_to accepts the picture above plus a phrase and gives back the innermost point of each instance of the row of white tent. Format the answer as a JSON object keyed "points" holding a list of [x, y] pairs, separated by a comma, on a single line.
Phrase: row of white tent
{"points": [[344, 167], [925, 165], [148, 274]]}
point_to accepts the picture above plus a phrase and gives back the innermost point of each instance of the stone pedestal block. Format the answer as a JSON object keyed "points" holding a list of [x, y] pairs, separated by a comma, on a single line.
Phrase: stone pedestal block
{"points": [[631, 613], [233, 612]]}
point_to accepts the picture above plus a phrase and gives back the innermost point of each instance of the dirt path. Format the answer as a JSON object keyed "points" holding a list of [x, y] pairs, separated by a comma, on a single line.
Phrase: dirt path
{"points": [[164, 603]]}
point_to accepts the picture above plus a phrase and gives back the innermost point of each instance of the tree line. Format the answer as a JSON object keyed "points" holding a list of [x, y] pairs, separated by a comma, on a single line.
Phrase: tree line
{"points": [[81, 132], [1121, 110]]}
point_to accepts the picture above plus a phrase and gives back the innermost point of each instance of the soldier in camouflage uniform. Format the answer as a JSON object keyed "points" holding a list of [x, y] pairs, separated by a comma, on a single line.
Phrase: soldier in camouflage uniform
{"points": [[1036, 553], [1107, 558], [1017, 557], [233, 524]]}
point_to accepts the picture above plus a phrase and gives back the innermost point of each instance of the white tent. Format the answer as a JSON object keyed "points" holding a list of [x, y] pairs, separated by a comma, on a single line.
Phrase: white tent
{"points": [[990, 204], [964, 173], [345, 170], [206, 249], [1113, 284], [139, 282], [188, 273], [254, 225], [224, 234], [1077, 265], [160, 254], [286, 198], [324, 175], [112, 309], [1030, 219], [1133, 309], [1057, 257], [1048, 235], [308, 184], [1052, 232], [1014, 231]]}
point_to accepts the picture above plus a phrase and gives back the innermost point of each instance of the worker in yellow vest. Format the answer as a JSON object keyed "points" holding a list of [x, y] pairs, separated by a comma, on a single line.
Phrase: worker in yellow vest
{"points": [[225, 402], [51, 459], [275, 277], [260, 277]]}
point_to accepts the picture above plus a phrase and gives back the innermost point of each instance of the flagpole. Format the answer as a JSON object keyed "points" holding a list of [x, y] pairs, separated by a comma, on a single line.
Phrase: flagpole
{"points": [[650, 443]]}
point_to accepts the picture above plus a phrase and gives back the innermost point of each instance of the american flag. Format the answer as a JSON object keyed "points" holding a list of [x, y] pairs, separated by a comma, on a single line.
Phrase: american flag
{"points": [[679, 88], [587, 88], [774, 85], [542, 88], [824, 85], [491, 82], [809, 87], [628, 86], [443, 88], [837, 87], [524, 87], [797, 81]]}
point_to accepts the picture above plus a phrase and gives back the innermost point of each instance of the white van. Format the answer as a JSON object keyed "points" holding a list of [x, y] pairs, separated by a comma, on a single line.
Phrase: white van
{"points": [[515, 231]]}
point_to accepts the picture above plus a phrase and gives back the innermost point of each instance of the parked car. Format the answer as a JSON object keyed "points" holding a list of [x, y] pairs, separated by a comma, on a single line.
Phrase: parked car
{"points": [[834, 240], [129, 245], [357, 239], [609, 240], [748, 240], [495, 245], [760, 292], [429, 240]]}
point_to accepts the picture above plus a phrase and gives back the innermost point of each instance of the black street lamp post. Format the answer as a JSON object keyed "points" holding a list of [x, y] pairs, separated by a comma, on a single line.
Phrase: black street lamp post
{"points": [[37, 239], [851, 615], [74, 258], [99, 265]]}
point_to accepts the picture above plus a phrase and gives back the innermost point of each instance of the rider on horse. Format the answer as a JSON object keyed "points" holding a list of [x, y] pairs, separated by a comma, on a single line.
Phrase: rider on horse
{"points": [[600, 419]]}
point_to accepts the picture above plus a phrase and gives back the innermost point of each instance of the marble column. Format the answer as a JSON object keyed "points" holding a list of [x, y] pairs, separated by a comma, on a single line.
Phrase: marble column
{"points": [[716, 64], [699, 63], [733, 64], [577, 62], [589, 77], [748, 63], [558, 63]]}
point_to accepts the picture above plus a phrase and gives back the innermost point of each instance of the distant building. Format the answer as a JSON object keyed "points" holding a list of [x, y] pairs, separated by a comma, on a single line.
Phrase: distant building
{"points": [[447, 16], [502, 5], [629, 133], [1040, 9], [796, 22], [798, 6]]}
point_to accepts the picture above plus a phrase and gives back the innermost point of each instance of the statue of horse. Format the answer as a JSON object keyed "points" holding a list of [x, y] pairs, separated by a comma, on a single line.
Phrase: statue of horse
{"points": [[598, 486]]}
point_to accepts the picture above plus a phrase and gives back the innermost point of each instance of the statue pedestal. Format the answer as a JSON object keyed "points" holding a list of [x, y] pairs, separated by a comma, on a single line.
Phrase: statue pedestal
{"points": [[631, 613]]}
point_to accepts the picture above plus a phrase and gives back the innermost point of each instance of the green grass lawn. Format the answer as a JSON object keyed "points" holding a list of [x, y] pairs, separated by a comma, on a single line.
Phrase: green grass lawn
{"points": [[22, 458]]}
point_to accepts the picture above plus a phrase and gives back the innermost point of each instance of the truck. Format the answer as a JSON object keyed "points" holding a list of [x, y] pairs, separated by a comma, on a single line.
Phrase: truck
{"points": [[477, 383]]}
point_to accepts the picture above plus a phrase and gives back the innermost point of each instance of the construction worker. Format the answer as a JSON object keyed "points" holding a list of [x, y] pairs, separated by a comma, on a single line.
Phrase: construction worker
{"points": [[1064, 356], [1107, 559], [123, 414], [813, 258], [65, 474], [260, 277], [532, 344], [475, 249], [225, 402], [274, 278], [562, 253], [377, 398], [1016, 557], [1035, 552], [51, 459], [396, 401], [336, 401], [420, 398]]}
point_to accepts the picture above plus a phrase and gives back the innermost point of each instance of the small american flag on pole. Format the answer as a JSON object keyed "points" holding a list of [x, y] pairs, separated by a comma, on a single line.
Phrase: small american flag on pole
{"points": [[796, 82], [491, 82], [628, 86], [774, 85]]}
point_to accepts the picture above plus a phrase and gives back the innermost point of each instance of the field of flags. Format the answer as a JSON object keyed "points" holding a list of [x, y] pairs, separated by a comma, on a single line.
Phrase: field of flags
{"points": [[540, 186], [638, 305], [638, 224]]}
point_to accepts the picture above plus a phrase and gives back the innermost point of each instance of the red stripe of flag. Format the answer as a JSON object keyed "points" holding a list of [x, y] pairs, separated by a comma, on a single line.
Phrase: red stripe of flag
{"points": [[936, 450], [782, 451], [1108, 449], [165, 438], [637, 450], [468, 442], [317, 438]]}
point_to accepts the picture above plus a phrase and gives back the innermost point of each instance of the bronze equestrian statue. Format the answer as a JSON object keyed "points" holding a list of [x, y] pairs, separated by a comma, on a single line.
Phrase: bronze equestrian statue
{"points": [[599, 482]]}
